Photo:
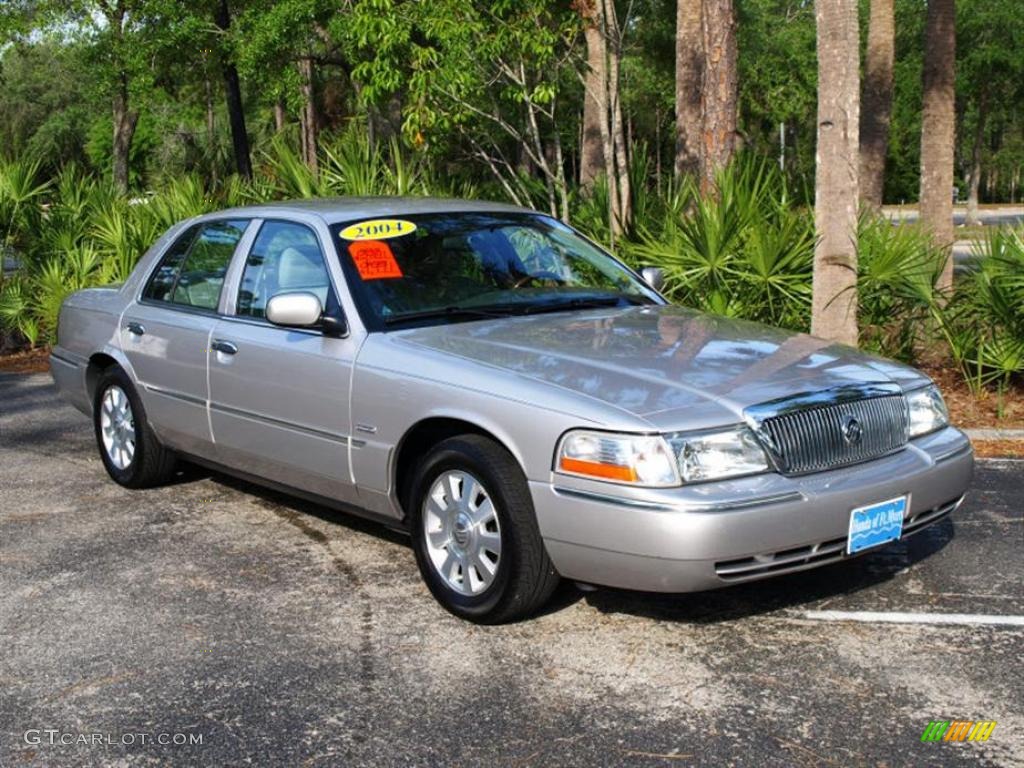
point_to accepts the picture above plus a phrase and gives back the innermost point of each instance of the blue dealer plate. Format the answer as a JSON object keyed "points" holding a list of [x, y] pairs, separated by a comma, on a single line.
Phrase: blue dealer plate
{"points": [[876, 524]]}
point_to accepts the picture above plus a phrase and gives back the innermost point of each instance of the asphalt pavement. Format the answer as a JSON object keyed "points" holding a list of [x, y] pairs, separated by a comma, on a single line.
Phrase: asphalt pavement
{"points": [[212, 622]]}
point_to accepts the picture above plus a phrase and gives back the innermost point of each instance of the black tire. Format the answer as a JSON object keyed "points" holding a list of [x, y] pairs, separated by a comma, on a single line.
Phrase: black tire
{"points": [[151, 464], [525, 577]]}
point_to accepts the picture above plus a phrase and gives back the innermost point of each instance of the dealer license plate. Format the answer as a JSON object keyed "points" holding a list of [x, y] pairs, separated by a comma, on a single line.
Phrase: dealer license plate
{"points": [[876, 524]]}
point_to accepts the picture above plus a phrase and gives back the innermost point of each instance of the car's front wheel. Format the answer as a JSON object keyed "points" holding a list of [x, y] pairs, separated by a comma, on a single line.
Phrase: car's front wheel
{"points": [[475, 532], [130, 451]]}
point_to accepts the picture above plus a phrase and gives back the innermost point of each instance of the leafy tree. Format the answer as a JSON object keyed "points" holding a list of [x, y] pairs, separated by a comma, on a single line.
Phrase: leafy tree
{"points": [[120, 36], [990, 80], [493, 73]]}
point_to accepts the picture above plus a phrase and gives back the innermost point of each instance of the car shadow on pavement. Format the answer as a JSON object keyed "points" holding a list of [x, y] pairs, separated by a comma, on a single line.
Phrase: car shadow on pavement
{"points": [[711, 607], [790, 591], [288, 506]]}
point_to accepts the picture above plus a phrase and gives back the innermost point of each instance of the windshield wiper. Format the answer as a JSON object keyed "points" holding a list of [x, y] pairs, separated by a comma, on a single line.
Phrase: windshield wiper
{"points": [[514, 308], [447, 312], [590, 302]]}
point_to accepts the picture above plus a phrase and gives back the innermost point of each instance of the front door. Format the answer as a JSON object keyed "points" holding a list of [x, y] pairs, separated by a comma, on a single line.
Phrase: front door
{"points": [[279, 397], [166, 333]]}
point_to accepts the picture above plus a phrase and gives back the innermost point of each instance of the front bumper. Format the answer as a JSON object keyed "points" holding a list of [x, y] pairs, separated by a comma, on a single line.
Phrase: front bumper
{"points": [[716, 534]]}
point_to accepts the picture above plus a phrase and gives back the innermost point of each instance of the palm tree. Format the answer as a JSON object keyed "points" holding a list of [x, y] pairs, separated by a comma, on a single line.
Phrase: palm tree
{"points": [[834, 303], [938, 126], [876, 113]]}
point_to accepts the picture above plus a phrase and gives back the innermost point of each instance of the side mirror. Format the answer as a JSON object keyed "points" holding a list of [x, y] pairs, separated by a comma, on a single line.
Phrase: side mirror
{"points": [[654, 277], [295, 310]]}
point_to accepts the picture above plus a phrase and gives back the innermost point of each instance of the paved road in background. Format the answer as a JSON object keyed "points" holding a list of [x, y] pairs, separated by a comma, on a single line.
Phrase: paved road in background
{"points": [[964, 250], [993, 215], [287, 634]]}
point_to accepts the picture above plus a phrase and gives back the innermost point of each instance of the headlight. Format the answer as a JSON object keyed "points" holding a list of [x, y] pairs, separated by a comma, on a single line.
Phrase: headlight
{"points": [[636, 459], [927, 411], [717, 454]]}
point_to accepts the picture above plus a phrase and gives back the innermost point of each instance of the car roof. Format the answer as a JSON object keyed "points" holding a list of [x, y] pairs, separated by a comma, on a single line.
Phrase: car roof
{"points": [[336, 209]]}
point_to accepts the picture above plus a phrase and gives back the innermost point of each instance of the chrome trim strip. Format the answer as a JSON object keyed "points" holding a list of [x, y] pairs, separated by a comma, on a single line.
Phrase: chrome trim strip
{"points": [[176, 395], [321, 433], [66, 360], [832, 396], [720, 506]]}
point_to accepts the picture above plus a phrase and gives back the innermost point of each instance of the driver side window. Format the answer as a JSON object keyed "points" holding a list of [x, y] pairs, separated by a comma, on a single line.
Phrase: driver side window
{"points": [[286, 257]]}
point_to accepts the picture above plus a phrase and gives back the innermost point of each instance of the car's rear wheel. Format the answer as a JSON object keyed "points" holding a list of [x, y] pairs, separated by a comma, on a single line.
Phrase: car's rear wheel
{"points": [[475, 532], [132, 455]]}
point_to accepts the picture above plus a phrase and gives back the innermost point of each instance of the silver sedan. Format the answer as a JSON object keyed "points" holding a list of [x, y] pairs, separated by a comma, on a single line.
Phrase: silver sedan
{"points": [[523, 404]]}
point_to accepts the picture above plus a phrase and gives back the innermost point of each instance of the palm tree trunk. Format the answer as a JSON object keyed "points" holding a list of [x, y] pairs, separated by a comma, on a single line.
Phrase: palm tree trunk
{"points": [[689, 84], [719, 91], [938, 129], [876, 114], [834, 302]]}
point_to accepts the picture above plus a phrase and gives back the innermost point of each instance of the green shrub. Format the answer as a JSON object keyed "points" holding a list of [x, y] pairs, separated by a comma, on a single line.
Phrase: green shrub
{"points": [[897, 270], [984, 321], [743, 252]]}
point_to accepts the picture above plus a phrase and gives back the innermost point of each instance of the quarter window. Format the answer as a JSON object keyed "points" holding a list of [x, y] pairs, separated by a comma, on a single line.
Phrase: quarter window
{"points": [[193, 275], [286, 257]]}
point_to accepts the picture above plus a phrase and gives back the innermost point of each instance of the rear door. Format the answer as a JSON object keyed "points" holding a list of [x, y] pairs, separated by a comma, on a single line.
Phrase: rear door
{"points": [[166, 333], [279, 397]]}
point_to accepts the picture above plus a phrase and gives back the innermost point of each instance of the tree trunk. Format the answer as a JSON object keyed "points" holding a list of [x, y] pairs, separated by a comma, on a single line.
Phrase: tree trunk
{"points": [[211, 119], [689, 86], [279, 116], [834, 303], [621, 165], [125, 120], [876, 114], [596, 7], [719, 92], [233, 93], [211, 132], [938, 128], [592, 164], [560, 180], [974, 176], [309, 114]]}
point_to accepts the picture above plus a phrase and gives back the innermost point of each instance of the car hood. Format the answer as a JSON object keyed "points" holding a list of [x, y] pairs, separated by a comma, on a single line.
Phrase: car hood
{"points": [[664, 364]]}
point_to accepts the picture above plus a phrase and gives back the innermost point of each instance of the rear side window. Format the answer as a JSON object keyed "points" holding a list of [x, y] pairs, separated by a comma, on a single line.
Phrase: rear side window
{"points": [[166, 275], [196, 276], [285, 257]]}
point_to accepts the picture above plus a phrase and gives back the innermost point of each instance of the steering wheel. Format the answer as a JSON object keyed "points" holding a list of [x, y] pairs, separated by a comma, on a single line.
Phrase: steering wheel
{"points": [[534, 278]]}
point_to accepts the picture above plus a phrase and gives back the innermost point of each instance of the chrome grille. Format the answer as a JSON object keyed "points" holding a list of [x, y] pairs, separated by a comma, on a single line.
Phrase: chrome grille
{"points": [[813, 433]]}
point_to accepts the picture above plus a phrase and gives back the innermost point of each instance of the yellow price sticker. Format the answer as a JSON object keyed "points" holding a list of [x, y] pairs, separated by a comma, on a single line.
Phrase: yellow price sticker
{"points": [[377, 229]]}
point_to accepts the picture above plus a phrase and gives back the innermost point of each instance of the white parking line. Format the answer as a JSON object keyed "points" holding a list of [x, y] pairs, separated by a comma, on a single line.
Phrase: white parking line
{"points": [[899, 617]]}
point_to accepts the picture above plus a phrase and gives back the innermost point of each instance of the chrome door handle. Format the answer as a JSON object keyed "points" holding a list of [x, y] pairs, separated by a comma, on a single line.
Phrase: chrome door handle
{"points": [[224, 346], [135, 328]]}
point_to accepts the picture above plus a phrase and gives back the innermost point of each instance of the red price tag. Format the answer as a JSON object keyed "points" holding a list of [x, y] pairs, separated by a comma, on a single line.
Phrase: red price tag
{"points": [[374, 260]]}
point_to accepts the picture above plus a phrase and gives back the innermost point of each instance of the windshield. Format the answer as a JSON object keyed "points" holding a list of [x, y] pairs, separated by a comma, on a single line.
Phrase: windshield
{"points": [[436, 268]]}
